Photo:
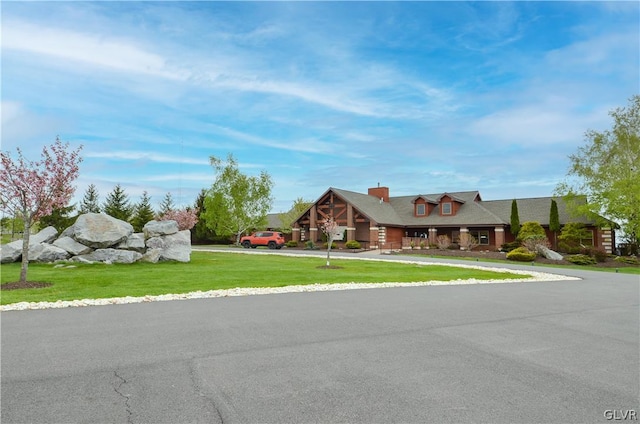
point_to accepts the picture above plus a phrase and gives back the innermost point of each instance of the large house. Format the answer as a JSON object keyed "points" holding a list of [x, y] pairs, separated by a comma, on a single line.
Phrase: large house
{"points": [[380, 221]]}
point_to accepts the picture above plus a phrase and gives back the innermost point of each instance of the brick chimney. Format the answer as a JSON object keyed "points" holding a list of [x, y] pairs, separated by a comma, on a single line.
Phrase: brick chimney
{"points": [[380, 193]]}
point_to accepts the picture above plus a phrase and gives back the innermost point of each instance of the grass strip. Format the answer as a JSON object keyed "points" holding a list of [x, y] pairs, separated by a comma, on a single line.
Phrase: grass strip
{"points": [[622, 269], [213, 271]]}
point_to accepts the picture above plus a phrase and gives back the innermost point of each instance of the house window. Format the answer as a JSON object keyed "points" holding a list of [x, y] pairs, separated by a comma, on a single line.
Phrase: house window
{"points": [[587, 241], [420, 209], [482, 237], [446, 208]]}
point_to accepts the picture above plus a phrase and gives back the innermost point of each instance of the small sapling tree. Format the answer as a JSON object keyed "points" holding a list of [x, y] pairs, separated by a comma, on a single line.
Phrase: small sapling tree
{"points": [[329, 228], [30, 190]]}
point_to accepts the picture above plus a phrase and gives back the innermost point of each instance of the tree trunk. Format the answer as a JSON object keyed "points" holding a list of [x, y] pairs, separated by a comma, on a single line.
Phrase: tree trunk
{"points": [[25, 252], [329, 249]]}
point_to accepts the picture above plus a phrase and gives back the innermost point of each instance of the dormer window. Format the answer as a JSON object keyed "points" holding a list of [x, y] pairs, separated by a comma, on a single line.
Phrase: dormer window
{"points": [[421, 209], [446, 208]]}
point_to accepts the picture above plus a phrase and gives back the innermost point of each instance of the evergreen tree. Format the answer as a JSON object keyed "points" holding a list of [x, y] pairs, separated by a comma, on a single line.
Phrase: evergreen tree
{"points": [[554, 222], [90, 202], [515, 218], [117, 204], [143, 213], [58, 218], [167, 205], [201, 233]]}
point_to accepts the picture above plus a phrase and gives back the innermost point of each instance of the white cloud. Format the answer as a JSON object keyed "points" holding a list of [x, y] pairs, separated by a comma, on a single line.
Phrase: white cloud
{"points": [[130, 155], [119, 55]]}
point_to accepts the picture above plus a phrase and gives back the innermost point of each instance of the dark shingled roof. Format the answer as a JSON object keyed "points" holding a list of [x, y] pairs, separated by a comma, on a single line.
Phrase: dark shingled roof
{"points": [[399, 211]]}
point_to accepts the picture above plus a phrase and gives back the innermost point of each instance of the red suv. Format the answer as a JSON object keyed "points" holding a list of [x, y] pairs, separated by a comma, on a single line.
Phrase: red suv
{"points": [[270, 239]]}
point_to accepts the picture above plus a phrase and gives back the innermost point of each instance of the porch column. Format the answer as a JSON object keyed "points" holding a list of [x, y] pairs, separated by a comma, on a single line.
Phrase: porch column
{"points": [[433, 236], [607, 240], [351, 226], [463, 230], [373, 236], [313, 225], [499, 234], [295, 233]]}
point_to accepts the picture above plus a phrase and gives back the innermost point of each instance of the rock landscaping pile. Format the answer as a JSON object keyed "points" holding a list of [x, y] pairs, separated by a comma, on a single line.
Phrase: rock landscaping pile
{"points": [[97, 237]]}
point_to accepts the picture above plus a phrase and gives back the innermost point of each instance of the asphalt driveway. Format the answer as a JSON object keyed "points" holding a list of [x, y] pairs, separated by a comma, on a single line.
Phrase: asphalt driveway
{"points": [[525, 352]]}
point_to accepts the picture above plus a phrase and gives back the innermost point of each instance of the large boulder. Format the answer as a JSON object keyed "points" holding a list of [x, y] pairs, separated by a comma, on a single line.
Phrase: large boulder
{"points": [[72, 246], [110, 256], [173, 247], [152, 255], [98, 230], [159, 228], [45, 252], [134, 242], [548, 253], [46, 235], [11, 252]]}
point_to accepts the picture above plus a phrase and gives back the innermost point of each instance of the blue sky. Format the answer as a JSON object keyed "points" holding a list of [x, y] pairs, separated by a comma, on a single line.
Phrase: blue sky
{"points": [[422, 97]]}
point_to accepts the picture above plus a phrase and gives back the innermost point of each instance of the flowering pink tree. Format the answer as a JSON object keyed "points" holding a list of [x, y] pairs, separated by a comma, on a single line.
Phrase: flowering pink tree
{"points": [[186, 218], [30, 190], [329, 227]]}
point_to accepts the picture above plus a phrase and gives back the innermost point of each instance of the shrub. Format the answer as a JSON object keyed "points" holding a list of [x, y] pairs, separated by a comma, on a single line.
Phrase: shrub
{"points": [[529, 229], [422, 245], [352, 244], [532, 242], [292, 243], [580, 259], [521, 254], [630, 260], [333, 245], [310, 245], [572, 235], [568, 248], [508, 247], [467, 241], [596, 253], [443, 242]]}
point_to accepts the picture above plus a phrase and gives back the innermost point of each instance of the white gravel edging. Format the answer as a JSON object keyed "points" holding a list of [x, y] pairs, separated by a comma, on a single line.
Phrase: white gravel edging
{"points": [[534, 277]]}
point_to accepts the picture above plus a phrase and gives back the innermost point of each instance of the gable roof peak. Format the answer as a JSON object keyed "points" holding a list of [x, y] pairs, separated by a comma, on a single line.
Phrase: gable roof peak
{"points": [[451, 196]]}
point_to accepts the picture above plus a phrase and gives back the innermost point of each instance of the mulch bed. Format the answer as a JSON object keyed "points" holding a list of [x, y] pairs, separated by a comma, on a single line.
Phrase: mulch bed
{"points": [[610, 263], [26, 285]]}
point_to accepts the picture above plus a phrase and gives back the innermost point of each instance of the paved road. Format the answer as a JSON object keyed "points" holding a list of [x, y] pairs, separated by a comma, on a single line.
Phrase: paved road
{"points": [[529, 352]]}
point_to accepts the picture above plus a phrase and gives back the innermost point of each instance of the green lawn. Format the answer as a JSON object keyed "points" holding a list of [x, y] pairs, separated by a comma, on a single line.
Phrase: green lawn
{"points": [[210, 271]]}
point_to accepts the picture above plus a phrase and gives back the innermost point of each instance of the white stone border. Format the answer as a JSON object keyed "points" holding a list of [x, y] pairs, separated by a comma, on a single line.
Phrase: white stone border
{"points": [[535, 276]]}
